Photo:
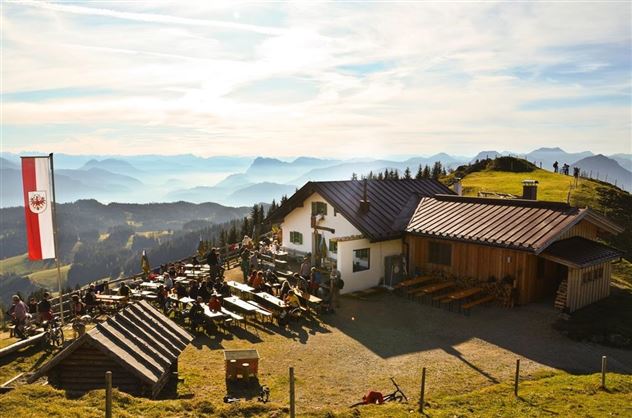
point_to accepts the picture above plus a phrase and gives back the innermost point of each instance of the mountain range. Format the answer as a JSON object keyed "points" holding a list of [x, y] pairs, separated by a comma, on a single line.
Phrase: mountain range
{"points": [[243, 181]]}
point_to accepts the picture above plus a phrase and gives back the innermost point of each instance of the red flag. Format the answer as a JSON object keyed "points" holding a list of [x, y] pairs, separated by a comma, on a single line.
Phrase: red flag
{"points": [[38, 201]]}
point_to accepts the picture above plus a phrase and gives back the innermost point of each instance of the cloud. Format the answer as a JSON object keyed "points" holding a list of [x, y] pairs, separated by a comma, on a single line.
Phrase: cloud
{"points": [[325, 78]]}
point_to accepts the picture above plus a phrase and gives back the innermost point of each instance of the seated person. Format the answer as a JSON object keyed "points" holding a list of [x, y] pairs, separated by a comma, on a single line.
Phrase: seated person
{"points": [[32, 305], [124, 290], [44, 308], [215, 304], [285, 289], [77, 307], [180, 290], [196, 314], [90, 298], [161, 297], [194, 289], [292, 300], [258, 282]]}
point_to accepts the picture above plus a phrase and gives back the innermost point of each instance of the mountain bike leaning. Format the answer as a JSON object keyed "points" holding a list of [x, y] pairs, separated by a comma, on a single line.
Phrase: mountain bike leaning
{"points": [[377, 398], [54, 334]]}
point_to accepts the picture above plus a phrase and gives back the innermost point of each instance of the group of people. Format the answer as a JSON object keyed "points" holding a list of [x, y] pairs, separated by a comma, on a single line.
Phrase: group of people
{"points": [[308, 279], [565, 169], [21, 313]]}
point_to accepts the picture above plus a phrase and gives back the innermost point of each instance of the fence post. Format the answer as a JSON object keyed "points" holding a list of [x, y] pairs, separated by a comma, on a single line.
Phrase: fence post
{"points": [[517, 379], [108, 394], [423, 390], [604, 362], [292, 400]]}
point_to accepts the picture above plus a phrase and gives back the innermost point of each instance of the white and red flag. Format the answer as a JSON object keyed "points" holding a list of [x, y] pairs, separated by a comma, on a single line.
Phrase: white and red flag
{"points": [[38, 201]]}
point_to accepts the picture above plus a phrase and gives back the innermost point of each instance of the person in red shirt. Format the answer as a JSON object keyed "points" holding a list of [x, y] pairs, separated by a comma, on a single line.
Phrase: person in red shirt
{"points": [[215, 304], [258, 282]]}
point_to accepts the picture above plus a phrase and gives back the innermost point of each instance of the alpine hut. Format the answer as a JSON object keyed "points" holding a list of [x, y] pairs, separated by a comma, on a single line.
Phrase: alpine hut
{"points": [[139, 345]]}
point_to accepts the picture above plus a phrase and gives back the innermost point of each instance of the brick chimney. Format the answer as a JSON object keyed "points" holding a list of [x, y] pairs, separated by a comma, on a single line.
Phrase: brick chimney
{"points": [[530, 189]]}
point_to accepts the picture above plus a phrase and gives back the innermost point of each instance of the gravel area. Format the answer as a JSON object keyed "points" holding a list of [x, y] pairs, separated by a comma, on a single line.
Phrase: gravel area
{"points": [[344, 355]]}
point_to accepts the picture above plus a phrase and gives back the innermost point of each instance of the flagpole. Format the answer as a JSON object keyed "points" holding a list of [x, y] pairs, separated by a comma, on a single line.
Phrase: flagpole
{"points": [[61, 299]]}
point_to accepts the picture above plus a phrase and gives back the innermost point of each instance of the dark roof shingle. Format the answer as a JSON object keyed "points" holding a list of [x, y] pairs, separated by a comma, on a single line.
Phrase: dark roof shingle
{"points": [[580, 252], [390, 202], [513, 223]]}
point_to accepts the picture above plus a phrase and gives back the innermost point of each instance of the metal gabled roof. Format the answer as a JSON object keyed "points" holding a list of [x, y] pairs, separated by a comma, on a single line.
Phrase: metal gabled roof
{"points": [[388, 198]]}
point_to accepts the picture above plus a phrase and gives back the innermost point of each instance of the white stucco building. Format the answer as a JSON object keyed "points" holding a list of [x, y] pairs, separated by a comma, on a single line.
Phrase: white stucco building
{"points": [[357, 224]]}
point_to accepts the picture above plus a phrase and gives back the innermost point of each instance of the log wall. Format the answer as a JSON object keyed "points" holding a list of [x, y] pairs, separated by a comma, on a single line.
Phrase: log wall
{"points": [[85, 368]]}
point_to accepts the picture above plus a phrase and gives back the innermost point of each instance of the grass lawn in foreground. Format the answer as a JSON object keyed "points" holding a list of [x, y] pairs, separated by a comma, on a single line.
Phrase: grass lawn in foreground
{"points": [[557, 394]]}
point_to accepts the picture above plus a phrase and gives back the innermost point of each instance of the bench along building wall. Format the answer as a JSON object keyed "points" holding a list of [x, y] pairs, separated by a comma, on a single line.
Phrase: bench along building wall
{"points": [[482, 262]]}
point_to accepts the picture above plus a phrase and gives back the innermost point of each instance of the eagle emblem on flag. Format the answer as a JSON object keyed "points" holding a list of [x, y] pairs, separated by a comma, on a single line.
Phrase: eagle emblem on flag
{"points": [[38, 201]]}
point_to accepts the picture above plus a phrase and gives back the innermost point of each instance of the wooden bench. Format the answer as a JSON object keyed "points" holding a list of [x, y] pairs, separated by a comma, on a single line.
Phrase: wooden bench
{"points": [[485, 299], [263, 312]]}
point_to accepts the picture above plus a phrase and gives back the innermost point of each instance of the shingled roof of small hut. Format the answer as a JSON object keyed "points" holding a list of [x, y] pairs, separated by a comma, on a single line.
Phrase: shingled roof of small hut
{"points": [[139, 337]]}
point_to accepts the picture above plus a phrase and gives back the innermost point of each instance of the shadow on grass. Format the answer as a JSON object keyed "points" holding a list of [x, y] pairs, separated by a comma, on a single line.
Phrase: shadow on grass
{"points": [[247, 389]]}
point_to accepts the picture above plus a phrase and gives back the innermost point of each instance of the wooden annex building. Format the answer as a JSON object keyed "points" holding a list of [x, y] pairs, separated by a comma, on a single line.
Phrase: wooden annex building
{"points": [[139, 345], [520, 250], [544, 250]]}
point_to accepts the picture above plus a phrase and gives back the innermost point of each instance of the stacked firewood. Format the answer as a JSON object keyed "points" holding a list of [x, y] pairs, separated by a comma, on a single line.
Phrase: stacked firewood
{"points": [[560, 297]]}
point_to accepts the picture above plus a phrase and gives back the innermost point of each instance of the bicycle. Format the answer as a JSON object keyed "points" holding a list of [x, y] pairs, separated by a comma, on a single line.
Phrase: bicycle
{"points": [[377, 398], [54, 334]]}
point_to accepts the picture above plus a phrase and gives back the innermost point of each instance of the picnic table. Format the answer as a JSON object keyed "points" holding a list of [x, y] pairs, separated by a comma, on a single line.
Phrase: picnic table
{"points": [[144, 294], [240, 304], [240, 287], [111, 298], [150, 285], [213, 315], [309, 299], [270, 300]]}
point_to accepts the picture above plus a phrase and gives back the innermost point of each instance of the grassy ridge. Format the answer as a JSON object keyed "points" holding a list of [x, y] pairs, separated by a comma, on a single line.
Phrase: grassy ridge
{"points": [[552, 187], [43, 273]]}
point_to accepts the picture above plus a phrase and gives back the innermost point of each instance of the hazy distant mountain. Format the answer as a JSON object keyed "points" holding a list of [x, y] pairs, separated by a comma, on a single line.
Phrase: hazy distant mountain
{"points": [[72, 185], [547, 156], [113, 165], [345, 170], [603, 168], [199, 194], [483, 155], [234, 181], [274, 170], [260, 192], [5, 163], [624, 160]]}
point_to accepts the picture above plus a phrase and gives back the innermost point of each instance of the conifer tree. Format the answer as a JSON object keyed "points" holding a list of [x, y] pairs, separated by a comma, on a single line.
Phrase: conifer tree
{"points": [[407, 175], [420, 173]]}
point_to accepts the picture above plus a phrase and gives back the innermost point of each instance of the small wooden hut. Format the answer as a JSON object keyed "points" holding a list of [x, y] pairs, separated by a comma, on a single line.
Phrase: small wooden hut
{"points": [[139, 345]]}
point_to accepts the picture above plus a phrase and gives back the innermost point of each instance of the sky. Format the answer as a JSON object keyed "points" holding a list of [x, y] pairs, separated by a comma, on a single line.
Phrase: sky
{"points": [[343, 79]]}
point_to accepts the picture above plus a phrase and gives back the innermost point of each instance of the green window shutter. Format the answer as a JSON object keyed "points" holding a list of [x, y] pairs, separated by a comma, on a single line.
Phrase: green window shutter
{"points": [[314, 208], [299, 238]]}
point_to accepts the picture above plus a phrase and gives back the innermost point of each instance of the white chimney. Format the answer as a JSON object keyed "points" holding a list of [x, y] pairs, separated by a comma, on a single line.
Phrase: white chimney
{"points": [[458, 187]]}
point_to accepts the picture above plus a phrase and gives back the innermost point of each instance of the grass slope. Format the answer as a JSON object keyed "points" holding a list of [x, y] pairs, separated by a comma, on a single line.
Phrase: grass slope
{"points": [[552, 187], [559, 394], [48, 278], [43, 273]]}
